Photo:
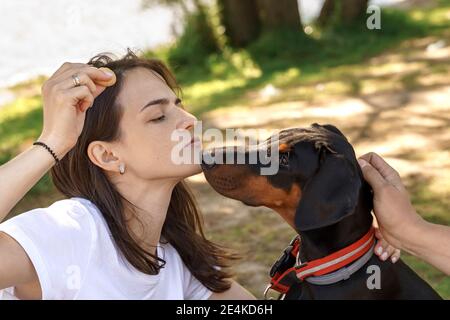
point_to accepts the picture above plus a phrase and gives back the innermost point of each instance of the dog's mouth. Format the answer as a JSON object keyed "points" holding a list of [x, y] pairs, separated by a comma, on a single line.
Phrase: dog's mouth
{"points": [[223, 184]]}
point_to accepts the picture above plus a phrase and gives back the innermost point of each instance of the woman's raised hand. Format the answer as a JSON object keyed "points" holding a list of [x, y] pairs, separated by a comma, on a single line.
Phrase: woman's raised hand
{"points": [[66, 96]]}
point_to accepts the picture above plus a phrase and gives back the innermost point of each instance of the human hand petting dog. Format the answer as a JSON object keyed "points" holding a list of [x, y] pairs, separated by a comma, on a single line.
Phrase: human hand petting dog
{"points": [[383, 249], [399, 223], [392, 206]]}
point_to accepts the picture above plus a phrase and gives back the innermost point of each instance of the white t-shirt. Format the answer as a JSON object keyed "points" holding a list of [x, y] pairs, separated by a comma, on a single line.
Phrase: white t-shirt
{"points": [[74, 255]]}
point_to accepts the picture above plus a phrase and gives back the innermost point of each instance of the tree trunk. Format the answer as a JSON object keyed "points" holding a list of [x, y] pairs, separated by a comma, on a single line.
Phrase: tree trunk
{"points": [[326, 12], [351, 10], [279, 13], [241, 21], [342, 11]]}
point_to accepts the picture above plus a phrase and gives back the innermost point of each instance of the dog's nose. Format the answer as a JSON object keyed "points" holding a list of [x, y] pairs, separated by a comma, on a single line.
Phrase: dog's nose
{"points": [[210, 161], [207, 166]]}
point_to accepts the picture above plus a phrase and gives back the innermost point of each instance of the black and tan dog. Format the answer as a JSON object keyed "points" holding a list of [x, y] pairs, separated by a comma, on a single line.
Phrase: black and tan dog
{"points": [[320, 191]]}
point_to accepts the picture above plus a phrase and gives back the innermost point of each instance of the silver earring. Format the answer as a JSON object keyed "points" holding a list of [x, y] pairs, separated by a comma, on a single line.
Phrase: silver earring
{"points": [[122, 168]]}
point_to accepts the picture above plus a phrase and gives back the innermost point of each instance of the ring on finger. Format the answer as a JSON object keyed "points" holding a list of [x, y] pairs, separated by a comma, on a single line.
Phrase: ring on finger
{"points": [[76, 80]]}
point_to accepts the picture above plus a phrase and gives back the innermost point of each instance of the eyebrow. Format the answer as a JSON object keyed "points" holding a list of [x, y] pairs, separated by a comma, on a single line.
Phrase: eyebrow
{"points": [[159, 101], [155, 102]]}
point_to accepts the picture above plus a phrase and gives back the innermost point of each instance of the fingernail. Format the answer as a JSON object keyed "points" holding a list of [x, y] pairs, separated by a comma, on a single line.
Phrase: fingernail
{"points": [[362, 163], [107, 72], [394, 259], [384, 256], [379, 250]]}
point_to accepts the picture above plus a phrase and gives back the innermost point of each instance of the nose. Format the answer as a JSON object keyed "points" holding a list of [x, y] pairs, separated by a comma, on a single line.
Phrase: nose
{"points": [[187, 121], [187, 124], [208, 165]]}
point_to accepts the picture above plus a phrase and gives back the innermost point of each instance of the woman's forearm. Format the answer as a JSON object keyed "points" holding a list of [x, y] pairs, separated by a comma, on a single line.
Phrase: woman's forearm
{"points": [[20, 174], [64, 113], [431, 243]]}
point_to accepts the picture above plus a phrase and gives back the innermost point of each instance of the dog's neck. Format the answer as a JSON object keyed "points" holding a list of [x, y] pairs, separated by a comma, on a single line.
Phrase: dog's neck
{"points": [[321, 242], [324, 241]]}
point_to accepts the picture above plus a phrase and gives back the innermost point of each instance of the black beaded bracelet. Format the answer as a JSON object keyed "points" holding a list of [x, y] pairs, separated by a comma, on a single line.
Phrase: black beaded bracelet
{"points": [[38, 143]]}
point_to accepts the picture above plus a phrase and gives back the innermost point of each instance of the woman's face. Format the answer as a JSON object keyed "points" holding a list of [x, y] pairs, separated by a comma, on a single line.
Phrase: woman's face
{"points": [[151, 113]]}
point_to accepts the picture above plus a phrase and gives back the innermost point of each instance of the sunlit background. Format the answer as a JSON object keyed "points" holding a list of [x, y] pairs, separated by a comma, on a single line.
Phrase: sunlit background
{"points": [[38, 35], [388, 90]]}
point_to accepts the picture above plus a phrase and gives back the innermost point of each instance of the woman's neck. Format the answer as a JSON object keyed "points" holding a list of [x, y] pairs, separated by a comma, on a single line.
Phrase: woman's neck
{"points": [[151, 200]]}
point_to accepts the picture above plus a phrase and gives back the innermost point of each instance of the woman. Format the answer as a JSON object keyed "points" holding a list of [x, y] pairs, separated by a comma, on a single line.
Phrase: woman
{"points": [[129, 228]]}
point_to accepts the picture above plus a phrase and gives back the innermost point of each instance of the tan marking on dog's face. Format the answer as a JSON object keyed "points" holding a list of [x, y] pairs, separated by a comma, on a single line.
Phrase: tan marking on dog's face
{"points": [[284, 202], [253, 190], [284, 147]]}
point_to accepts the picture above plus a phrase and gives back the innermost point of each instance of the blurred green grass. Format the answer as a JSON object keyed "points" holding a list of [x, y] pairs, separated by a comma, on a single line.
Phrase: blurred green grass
{"points": [[281, 58]]}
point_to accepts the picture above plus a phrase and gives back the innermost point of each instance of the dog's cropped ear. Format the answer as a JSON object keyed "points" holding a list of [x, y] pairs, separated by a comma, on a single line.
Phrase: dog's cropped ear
{"points": [[329, 195]]}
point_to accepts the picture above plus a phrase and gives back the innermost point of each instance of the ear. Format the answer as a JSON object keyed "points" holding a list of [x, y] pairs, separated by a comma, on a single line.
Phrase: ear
{"points": [[100, 153], [331, 128], [329, 195]]}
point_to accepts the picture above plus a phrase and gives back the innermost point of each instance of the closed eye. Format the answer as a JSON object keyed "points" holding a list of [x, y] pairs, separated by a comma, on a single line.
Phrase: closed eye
{"points": [[159, 119]]}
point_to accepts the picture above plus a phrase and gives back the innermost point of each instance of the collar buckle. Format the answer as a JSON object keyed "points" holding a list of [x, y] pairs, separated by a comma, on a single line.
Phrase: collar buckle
{"points": [[268, 289], [285, 257]]}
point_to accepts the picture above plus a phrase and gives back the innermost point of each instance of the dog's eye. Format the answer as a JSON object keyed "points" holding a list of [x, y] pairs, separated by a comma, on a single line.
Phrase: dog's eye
{"points": [[284, 159]]}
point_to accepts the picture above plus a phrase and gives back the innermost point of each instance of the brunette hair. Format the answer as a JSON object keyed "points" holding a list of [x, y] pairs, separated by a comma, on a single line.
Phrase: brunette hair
{"points": [[77, 176]]}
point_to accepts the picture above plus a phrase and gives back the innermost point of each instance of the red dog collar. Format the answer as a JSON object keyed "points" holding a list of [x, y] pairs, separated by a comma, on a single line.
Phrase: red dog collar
{"points": [[282, 280]]}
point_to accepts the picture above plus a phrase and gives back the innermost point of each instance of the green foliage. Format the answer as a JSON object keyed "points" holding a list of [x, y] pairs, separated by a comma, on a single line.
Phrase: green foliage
{"points": [[339, 44], [20, 121], [283, 43], [196, 43], [20, 125]]}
